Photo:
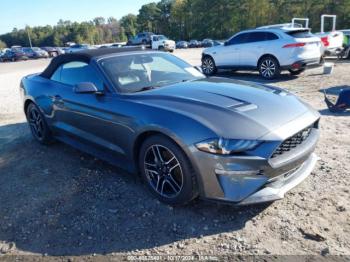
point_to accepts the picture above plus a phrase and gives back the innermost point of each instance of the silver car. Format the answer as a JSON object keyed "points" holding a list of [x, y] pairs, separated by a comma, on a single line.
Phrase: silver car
{"points": [[268, 50], [186, 135]]}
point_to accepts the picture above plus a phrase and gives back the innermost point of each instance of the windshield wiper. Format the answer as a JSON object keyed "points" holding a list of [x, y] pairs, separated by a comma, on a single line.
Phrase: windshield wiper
{"points": [[146, 88]]}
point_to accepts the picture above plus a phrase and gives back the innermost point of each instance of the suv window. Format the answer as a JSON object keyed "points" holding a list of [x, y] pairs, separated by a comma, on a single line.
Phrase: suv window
{"points": [[239, 39], [256, 37], [300, 34], [271, 36], [73, 73]]}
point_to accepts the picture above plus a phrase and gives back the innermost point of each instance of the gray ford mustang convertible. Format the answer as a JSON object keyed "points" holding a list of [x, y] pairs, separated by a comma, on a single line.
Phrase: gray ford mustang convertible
{"points": [[187, 135]]}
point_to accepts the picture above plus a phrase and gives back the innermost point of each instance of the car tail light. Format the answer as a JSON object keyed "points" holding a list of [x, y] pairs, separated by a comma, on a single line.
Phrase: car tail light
{"points": [[296, 66], [294, 45], [325, 41]]}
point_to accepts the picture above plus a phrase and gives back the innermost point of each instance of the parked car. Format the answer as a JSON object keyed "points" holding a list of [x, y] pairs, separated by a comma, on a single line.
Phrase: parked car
{"points": [[53, 51], [346, 51], [207, 43], [35, 52], [143, 38], [210, 43], [78, 47], [217, 43], [194, 44], [267, 50], [117, 45], [161, 42], [332, 40], [187, 135], [182, 45], [13, 55]]}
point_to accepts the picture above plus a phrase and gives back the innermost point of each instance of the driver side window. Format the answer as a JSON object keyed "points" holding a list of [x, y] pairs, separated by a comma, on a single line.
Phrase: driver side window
{"points": [[73, 73], [239, 39]]}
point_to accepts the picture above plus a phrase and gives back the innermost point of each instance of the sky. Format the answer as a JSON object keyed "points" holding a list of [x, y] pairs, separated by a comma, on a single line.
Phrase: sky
{"points": [[20, 13]]}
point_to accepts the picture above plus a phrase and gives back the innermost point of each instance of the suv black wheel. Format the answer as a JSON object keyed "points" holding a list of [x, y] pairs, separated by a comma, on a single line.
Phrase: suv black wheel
{"points": [[38, 125], [269, 67], [208, 66], [167, 171]]}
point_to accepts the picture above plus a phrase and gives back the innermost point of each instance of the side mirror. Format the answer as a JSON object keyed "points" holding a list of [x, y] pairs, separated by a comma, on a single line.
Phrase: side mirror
{"points": [[85, 88], [199, 68]]}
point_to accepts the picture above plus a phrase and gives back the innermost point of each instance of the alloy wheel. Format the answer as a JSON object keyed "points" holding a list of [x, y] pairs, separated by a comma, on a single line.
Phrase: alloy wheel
{"points": [[163, 171], [208, 66], [268, 68], [36, 123]]}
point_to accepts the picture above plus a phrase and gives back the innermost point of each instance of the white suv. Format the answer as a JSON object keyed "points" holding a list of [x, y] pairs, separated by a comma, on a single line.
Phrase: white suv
{"points": [[266, 50]]}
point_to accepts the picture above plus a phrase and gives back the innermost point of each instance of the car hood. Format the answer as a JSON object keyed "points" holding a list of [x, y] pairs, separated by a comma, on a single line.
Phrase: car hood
{"points": [[169, 42], [232, 109]]}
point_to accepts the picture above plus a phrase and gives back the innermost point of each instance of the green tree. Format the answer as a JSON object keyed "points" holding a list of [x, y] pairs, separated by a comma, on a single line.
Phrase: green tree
{"points": [[148, 18], [129, 24], [2, 44]]}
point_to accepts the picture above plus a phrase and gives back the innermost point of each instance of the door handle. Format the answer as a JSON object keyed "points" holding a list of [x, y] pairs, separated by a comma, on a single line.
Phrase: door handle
{"points": [[57, 100]]}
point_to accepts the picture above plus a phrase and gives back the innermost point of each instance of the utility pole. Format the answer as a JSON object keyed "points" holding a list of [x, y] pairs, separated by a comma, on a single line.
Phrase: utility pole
{"points": [[30, 41]]}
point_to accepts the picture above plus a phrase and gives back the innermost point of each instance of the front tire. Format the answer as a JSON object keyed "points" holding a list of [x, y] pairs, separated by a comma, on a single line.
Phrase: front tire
{"points": [[167, 171], [38, 126], [269, 67], [208, 66]]}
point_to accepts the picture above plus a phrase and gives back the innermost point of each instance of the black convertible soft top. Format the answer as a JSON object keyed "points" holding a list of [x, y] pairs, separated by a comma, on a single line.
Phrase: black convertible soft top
{"points": [[84, 56]]}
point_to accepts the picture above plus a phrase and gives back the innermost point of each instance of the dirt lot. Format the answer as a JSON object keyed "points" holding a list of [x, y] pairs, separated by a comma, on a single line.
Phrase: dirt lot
{"points": [[58, 201]]}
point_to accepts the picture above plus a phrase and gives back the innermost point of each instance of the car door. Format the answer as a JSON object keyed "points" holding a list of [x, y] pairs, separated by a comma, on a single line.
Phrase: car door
{"points": [[138, 39], [228, 55], [155, 42], [88, 118], [254, 47]]}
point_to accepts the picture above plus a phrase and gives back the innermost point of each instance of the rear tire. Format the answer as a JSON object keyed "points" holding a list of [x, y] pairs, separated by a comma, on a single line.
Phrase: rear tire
{"points": [[296, 72], [38, 126], [167, 171], [269, 67], [208, 66]]}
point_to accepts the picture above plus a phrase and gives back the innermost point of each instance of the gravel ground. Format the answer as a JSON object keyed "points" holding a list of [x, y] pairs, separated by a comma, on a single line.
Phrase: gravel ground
{"points": [[57, 201]]}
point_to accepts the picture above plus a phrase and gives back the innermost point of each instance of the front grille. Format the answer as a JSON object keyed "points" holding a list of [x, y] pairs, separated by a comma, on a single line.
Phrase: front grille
{"points": [[293, 142]]}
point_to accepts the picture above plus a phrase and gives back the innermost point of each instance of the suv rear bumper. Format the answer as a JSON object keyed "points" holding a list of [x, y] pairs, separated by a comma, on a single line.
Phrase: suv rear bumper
{"points": [[305, 64]]}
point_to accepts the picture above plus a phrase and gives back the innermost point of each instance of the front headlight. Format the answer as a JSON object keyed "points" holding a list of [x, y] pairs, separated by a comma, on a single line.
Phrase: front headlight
{"points": [[223, 146]]}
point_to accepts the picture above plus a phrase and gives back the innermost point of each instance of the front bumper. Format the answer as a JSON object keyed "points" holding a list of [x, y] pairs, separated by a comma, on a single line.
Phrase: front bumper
{"points": [[169, 48], [277, 189], [254, 178]]}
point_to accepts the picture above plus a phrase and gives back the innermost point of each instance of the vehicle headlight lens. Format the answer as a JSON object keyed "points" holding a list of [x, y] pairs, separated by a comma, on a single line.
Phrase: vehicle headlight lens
{"points": [[227, 146]]}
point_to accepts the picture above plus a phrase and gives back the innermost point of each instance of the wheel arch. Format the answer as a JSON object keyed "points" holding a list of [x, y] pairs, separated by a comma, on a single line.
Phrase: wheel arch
{"points": [[141, 138], [208, 55], [267, 55], [149, 133], [27, 102]]}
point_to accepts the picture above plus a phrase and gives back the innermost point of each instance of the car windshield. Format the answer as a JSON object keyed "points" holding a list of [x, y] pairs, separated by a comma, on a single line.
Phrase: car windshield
{"points": [[162, 37], [141, 72]]}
